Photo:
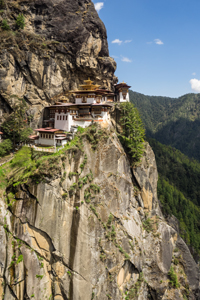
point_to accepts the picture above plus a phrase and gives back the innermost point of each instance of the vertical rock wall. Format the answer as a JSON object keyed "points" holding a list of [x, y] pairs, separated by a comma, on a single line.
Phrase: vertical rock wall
{"points": [[92, 231]]}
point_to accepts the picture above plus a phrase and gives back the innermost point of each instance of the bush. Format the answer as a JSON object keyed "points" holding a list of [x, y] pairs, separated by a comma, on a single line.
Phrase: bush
{"points": [[173, 278], [4, 25], [20, 22], [5, 147]]}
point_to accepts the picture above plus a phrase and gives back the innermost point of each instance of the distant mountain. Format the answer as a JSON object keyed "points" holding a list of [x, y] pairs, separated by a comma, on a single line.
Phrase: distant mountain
{"points": [[172, 121]]}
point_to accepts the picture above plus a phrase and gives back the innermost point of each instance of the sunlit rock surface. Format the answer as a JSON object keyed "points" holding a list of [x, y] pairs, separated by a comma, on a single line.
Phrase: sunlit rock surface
{"points": [[113, 244]]}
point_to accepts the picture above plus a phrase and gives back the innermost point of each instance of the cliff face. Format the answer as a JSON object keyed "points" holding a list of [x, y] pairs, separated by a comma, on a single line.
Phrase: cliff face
{"points": [[87, 225], [63, 43]]}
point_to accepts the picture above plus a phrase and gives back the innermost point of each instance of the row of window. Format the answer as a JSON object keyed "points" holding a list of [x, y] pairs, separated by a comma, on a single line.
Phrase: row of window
{"points": [[61, 117], [46, 136]]}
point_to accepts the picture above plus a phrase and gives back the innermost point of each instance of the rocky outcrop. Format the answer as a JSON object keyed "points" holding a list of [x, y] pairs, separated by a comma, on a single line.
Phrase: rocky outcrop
{"points": [[63, 43], [92, 230]]}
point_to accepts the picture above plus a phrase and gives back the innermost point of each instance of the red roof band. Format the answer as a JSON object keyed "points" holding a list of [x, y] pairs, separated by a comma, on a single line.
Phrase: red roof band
{"points": [[47, 130]]}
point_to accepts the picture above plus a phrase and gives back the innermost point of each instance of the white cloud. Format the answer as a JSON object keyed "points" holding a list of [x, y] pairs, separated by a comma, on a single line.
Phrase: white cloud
{"points": [[158, 42], [195, 85], [98, 6], [126, 59], [117, 41], [114, 56], [194, 74], [128, 41]]}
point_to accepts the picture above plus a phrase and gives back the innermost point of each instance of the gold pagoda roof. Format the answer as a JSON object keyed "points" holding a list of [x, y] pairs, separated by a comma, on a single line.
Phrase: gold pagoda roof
{"points": [[88, 86]]}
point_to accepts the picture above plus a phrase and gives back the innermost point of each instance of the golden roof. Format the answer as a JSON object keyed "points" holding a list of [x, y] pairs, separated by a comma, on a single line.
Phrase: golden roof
{"points": [[89, 86]]}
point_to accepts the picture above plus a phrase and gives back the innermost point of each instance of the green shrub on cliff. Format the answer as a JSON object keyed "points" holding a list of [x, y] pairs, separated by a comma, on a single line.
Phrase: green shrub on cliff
{"points": [[4, 25], [133, 132], [5, 147], [20, 22], [173, 278]]}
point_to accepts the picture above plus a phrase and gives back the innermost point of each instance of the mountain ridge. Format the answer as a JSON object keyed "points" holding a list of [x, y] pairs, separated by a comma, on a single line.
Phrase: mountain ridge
{"points": [[171, 121]]}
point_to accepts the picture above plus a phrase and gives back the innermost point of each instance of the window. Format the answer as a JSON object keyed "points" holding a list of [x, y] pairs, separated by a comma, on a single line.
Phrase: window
{"points": [[60, 117], [66, 118], [63, 117], [57, 117]]}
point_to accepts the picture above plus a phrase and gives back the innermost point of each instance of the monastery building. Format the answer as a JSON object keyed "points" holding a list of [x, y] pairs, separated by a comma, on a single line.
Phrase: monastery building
{"points": [[91, 104]]}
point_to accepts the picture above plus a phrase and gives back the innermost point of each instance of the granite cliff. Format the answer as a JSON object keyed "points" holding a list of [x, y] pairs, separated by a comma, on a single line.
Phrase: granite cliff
{"points": [[84, 224], [63, 43]]}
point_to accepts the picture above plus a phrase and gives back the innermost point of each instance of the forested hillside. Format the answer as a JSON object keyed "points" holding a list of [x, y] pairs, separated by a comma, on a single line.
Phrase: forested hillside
{"points": [[171, 121], [179, 189]]}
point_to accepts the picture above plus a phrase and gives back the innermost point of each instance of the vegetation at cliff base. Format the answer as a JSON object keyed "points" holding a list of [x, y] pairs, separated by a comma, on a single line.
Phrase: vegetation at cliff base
{"points": [[179, 190], [133, 132]]}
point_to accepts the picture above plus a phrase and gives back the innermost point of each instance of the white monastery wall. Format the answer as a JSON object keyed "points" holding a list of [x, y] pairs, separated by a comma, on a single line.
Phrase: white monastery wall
{"points": [[48, 142], [122, 98], [61, 124]]}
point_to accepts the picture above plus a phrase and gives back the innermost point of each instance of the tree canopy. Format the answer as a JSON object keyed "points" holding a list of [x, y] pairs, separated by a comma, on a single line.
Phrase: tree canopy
{"points": [[133, 132]]}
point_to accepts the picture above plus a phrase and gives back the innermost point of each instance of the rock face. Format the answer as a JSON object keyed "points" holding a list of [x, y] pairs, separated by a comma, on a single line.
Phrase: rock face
{"points": [[93, 231], [63, 43]]}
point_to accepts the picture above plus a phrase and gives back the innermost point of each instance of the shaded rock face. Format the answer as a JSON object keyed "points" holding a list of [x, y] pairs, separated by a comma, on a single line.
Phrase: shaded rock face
{"points": [[62, 44], [106, 239]]}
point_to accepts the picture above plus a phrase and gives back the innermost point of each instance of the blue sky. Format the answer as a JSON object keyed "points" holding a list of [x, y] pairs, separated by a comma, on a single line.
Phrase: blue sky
{"points": [[155, 43]]}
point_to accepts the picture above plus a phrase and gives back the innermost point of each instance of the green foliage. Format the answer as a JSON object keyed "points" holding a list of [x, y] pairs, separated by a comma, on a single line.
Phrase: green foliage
{"points": [[110, 219], [179, 190], [16, 126], [71, 174], [4, 25], [39, 276], [20, 259], [188, 214], [95, 188], [20, 22], [5, 147], [148, 225], [178, 169], [94, 210], [134, 290], [133, 133], [83, 163], [176, 261], [173, 278], [171, 121], [69, 273], [64, 196]]}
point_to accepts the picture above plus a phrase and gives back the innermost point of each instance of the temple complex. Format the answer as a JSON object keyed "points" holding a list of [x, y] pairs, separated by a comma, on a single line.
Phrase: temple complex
{"points": [[90, 104]]}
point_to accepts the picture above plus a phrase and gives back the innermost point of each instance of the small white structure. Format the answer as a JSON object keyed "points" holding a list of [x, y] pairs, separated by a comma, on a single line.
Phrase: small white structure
{"points": [[1, 133], [49, 137], [122, 92]]}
